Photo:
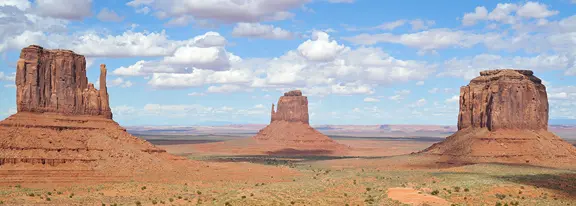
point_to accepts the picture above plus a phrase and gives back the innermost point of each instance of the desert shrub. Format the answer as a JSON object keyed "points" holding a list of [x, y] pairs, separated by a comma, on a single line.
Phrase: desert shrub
{"points": [[520, 192], [48, 199], [243, 196], [49, 193], [456, 189], [498, 204], [368, 189], [31, 194], [59, 192], [435, 192], [179, 197], [251, 194], [198, 192], [500, 196], [154, 202], [138, 203], [171, 199], [466, 190], [103, 204], [1, 202], [292, 202], [162, 202], [227, 204]]}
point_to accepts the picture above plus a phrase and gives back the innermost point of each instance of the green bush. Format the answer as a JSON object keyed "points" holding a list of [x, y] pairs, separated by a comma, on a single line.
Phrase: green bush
{"points": [[138, 203], [154, 202], [143, 187], [171, 199], [435, 192]]}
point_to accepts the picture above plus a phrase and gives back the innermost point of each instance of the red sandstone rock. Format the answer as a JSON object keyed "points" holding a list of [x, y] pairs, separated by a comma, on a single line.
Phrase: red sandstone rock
{"points": [[292, 107], [55, 81], [504, 118], [289, 131], [64, 124], [504, 99]]}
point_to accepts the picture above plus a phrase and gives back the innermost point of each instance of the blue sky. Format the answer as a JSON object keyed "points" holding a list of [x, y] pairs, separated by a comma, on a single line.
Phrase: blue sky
{"points": [[359, 61]]}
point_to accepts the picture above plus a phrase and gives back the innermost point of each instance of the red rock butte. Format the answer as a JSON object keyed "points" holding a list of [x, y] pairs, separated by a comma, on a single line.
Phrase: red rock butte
{"points": [[289, 128], [503, 118], [64, 132], [55, 81]]}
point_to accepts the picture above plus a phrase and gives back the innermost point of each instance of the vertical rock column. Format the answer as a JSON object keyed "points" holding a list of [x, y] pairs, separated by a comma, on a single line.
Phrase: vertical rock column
{"points": [[504, 99], [292, 107], [55, 81]]}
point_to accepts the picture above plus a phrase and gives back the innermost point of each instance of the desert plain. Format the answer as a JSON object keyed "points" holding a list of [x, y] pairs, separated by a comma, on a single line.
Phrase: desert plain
{"points": [[376, 174], [63, 147]]}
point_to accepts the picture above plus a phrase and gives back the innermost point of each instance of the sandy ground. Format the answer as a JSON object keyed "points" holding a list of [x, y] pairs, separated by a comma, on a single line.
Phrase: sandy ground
{"points": [[359, 147]]}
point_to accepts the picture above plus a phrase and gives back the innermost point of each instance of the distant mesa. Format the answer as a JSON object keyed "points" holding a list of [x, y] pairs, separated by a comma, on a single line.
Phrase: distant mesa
{"points": [[289, 127], [503, 118], [289, 133], [64, 124]]}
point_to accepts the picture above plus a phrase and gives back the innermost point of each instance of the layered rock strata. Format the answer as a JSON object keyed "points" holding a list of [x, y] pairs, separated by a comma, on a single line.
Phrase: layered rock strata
{"points": [[55, 81], [64, 126], [289, 127], [503, 118]]}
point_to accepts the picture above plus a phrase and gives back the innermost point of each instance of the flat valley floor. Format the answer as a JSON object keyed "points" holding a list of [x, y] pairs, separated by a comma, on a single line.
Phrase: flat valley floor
{"points": [[377, 173]]}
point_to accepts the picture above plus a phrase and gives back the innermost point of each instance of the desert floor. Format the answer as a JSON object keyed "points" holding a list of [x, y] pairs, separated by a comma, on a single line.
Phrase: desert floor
{"points": [[377, 174]]}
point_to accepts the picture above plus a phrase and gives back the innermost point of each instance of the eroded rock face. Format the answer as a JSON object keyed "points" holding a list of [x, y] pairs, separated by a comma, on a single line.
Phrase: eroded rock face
{"points": [[503, 119], [55, 81], [504, 99], [292, 107]]}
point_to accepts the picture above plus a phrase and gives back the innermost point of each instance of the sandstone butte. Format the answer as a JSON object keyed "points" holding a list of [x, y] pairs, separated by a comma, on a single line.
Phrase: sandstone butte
{"points": [[503, 118], [289, 133], [63, 131], [289, 130]]}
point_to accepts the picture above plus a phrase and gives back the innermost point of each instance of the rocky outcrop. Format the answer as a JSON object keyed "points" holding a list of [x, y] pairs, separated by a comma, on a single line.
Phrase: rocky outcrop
{"points": [[63, 122], [289, 131], [292, 107], [504, 99], [55, 81], [503, 118]]}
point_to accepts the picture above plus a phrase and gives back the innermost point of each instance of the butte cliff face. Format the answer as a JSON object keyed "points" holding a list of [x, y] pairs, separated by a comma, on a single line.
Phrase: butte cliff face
{"points": [[504, 99], [289, 130], [63, 130], [292, 107], [55, 81], [503, 118]]}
